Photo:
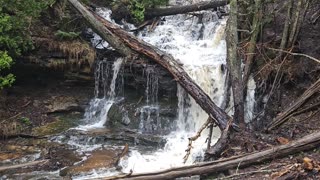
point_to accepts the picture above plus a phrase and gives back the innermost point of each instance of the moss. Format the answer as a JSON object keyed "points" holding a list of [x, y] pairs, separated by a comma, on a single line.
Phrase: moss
{"points": [[61, 124]]}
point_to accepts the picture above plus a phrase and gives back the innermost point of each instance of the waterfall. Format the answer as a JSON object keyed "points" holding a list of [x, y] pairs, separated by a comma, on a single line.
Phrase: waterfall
{"points": [[198, 43], [105, 94], [149, 114]]}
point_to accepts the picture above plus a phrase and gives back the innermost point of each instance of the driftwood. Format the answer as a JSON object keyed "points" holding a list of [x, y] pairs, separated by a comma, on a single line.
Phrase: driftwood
{"points": [[306, 143], [204, 5], [283, 117], [33, 163], [128, 45]]}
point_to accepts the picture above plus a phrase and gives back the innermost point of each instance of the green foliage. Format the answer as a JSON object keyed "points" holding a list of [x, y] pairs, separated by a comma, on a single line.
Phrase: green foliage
{"points": [[25, 121], [5, 63], [16, 17], [67, 35], [138, 7]]}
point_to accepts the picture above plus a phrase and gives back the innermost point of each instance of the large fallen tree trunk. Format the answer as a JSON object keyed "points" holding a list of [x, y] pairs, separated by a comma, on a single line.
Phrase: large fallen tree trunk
{"points": [[128, 45], [283, 117], [306, 143], [204, 5]]}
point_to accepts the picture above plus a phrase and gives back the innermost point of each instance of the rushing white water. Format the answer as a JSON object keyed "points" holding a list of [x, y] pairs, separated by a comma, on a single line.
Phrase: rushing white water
{"points": [[96, 115], [200, 46], [198, 43]]}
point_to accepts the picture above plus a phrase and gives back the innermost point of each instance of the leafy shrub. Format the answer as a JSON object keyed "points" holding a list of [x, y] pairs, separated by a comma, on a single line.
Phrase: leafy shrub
{"points": [[15, 21], [138, 7], [67, 35]]}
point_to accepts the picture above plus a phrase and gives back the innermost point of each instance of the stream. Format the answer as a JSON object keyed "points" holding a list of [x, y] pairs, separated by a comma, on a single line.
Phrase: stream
{"points": [[197, 42]]}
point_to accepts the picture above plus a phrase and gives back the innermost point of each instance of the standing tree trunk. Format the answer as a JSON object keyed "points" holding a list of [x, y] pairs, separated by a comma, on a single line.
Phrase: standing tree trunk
{"points": [[295, 18], [250, 53], [286, 28], [234, 64]]}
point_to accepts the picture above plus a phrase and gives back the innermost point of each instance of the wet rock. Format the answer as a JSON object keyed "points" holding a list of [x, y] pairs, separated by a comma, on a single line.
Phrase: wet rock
{"points": [[134, 109], [8, 156], [20, 149], [97, 160], [134, 74], [63, 104], [119, 136], [61, 123]]}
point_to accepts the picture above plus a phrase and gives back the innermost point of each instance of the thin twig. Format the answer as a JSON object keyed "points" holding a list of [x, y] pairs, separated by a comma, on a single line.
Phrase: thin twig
{"points": [[248, 173], [295, 54], [12, 117], [195, 137]]}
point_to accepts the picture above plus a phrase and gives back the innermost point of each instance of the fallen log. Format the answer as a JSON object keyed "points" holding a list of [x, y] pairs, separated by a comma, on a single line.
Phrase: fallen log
{"points": [[306, 143], [204, 5], [128, 45], [33, 163], [283, 117]]}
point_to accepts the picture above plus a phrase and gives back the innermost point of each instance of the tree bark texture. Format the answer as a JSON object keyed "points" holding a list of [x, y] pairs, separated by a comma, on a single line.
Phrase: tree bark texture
{"points": [[250, 53], [306, 143], [204, 5], [128, 45], [286, 28], [234, 64]]}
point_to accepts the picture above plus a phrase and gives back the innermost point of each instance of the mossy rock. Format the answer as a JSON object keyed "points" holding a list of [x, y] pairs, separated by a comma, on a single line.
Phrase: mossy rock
{"points": [[62, 123]]}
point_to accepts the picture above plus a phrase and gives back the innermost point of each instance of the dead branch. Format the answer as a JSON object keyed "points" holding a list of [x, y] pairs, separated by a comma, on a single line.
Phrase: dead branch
{"points": [[194, 138], [248, 173], [210, 136], [304, 110], [296, 54], [216, 150], [204, 5], [33, 163], [282, 117]]}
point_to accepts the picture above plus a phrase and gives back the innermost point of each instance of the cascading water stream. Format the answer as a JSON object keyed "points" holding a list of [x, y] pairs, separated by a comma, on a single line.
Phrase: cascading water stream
{"points": [[198, 43], [96, 115], [149, 114]]}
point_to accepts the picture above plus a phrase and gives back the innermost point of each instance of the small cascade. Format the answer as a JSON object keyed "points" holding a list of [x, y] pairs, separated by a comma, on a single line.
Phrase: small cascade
{"points": [[198, 43], [105, 94], [149, 114]]}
